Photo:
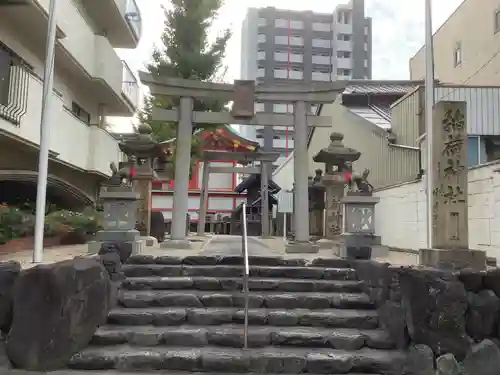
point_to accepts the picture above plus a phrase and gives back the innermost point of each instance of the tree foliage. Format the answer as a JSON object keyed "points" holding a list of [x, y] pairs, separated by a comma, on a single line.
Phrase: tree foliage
{"points": [[186, 52]]}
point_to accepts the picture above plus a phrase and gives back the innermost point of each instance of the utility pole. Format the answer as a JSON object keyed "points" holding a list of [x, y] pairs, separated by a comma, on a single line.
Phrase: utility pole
{"points": [[429, 105], [43, 162]]}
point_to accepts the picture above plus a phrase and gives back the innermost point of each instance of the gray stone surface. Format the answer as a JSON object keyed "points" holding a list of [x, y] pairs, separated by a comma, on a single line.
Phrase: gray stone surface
{"points": [[232, 246], [165, 316], [273, 300], [255, 284], [483, 359], [187, 314], [216, 359], [232, 335]]}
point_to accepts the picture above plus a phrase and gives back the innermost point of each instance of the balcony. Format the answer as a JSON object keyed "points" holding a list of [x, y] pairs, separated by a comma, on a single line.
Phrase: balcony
{"points": [[71, 140], [119, 19]]}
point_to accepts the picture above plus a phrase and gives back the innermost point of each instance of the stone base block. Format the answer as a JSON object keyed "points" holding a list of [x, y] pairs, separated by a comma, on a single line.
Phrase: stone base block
{"points": [[136, 247], [358, 245], [176, 244], [149, 241], [117, 235], [301, 248], [453, 259], [355, 252]]}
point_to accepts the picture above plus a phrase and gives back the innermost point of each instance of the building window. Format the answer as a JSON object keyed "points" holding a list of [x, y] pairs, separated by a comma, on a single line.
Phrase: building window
{"points": [[476, 151], [457, 54], [497, 20], [262, 22], [344, 72], [344, 54], [262, 38], [344, 37], [79, 112]]}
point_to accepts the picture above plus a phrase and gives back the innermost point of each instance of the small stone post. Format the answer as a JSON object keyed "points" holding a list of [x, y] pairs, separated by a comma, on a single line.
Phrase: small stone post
{"points": [[450, 230]]}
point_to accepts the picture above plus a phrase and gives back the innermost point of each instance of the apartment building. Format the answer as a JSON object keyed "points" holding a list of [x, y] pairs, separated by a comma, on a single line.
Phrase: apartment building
{"points": [[466, 46], [302, 46], [90, 83]]}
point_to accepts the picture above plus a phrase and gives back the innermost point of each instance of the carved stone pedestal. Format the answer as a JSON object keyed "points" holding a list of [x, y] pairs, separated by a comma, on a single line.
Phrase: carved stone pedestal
{"points": [[358, 237], [120, 207], [453, 259]]}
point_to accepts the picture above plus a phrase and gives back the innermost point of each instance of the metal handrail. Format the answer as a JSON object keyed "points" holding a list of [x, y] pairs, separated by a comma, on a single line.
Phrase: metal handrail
{"points": [[246, 273]]}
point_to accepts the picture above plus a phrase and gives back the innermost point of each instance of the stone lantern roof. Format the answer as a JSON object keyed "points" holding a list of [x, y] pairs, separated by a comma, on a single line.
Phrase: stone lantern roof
{"points": [[336, 152]]}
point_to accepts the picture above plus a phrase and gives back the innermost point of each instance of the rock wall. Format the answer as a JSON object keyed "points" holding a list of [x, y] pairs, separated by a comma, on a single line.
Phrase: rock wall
{"points": [[456, 315], [50, 312]]}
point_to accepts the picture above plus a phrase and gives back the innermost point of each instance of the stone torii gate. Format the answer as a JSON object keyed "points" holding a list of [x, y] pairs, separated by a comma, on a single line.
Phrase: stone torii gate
{"points": [[265, 159], [244, 94]]}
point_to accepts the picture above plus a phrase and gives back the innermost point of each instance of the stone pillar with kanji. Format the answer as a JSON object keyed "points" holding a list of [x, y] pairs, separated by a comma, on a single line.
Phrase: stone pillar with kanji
{"points": [[449, 196]]}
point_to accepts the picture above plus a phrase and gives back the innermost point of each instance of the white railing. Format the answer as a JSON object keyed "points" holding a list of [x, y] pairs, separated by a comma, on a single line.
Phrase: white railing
{"points": [[133, 18], [246, 273], [130, 86]]}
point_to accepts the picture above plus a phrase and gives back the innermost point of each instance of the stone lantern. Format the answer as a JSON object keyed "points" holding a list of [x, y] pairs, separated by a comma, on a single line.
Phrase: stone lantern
{"points": [[119, 201], [146, 156], [335, 157]]}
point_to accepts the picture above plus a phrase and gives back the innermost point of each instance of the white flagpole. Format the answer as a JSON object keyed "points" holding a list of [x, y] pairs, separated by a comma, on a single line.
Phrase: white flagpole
{"points": [[429, 104], [43, 162]]}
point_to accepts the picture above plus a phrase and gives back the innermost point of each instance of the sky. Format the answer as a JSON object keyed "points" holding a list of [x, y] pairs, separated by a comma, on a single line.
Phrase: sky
{"points": [[398, 30]]}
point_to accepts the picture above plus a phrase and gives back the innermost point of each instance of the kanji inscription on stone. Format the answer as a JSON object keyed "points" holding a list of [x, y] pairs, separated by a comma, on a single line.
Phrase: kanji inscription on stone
{"points": [[244, 99], [449, 195]]}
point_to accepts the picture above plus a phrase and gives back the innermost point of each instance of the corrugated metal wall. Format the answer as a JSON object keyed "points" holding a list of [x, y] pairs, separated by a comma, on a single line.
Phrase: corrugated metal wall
{"points": [[483, 107], [483, 111], [388, 165], [405, 119]]}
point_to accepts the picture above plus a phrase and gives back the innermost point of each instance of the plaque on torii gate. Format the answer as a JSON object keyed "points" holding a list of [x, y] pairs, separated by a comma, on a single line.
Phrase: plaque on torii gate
{"points": [[243, 94]]}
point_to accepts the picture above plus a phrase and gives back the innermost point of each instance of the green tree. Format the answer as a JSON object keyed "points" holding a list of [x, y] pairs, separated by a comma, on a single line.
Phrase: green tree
{"points": [[186, 52]]}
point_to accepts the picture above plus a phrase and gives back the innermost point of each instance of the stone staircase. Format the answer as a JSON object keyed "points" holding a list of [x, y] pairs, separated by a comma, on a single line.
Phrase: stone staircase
{"points": [[185, 315]]}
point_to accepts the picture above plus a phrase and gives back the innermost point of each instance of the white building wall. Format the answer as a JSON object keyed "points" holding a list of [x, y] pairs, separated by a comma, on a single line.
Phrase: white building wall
{"points": [[77, 143], [401, 213]]}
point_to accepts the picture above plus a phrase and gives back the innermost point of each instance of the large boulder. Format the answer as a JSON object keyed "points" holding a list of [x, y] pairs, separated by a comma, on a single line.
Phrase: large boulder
{"points": [[435, 303], [9, 272], [56, 310]]}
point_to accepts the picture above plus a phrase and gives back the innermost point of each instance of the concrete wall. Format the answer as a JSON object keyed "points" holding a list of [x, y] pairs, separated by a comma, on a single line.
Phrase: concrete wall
{"points": [[472, 26], [401, 213]]}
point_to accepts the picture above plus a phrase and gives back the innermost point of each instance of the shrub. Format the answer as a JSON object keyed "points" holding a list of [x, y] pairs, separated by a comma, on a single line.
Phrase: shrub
{"points": [[63, 221], [14, 223]]}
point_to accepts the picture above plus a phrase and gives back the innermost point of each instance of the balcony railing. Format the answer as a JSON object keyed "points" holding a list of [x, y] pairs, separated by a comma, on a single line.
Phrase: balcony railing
{"points": [[133, 17], [130, 86], [14, 82]]}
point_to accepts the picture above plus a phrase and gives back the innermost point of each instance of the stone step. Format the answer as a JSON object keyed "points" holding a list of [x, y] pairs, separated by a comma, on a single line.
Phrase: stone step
{"points": [[254, 284], [232, 335], [220, 360], [201, 260], [272, 300], [298, 272], [162, 316], [151, 372]]}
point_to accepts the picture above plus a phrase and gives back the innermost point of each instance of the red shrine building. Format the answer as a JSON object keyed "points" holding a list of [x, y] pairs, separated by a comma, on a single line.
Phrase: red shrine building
{"points": [[222, 199]]}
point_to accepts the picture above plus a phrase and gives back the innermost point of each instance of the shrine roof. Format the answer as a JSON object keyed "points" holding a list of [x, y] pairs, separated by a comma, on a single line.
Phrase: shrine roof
{"points": [[254, 181]]}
